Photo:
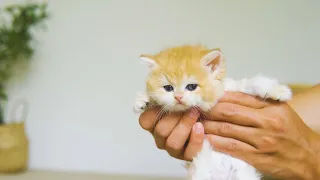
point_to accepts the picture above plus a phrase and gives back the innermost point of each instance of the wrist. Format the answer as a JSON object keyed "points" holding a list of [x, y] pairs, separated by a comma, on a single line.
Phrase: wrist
{"points": [[315, 165], [315, 170]]}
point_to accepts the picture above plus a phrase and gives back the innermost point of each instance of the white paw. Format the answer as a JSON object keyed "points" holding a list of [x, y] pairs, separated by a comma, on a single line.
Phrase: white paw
{"points": [[280, 93], [141, 103], [269, 88]]}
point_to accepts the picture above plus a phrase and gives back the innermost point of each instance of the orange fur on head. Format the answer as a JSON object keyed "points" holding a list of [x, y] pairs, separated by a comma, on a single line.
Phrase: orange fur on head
{"points": [[183, 68]]}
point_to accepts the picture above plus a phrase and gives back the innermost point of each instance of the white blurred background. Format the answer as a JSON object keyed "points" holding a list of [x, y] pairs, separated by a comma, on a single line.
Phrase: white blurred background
{"points": [[86, 72]]}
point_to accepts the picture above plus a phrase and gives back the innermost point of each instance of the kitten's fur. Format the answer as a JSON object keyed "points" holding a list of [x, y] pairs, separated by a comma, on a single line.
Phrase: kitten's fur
{"points": [[183, 65]]}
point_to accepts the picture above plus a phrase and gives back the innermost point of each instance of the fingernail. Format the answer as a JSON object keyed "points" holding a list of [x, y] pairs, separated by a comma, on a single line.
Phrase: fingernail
{"points": [[199, 128], [194, 113]]}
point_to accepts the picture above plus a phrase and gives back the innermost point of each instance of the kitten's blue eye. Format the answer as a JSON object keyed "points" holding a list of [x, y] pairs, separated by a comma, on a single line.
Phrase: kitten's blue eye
{"points": [[191, 87], [168, 88]]}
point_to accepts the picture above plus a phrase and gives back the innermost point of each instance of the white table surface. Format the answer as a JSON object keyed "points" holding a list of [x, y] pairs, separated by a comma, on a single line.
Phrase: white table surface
{"points": [[47, 175]]}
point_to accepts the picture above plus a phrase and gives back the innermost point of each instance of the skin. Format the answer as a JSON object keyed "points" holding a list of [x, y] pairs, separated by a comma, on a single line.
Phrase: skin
{"points": [[271, 136], [302, 104]]}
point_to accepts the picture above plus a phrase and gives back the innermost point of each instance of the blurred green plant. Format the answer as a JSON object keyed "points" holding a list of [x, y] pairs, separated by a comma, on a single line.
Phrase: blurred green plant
{"points": [[15, 39]]}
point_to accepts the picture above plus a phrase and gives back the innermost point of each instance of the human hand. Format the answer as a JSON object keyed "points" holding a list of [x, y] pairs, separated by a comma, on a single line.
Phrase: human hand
{"points": [[172, 132], [268, 135]]}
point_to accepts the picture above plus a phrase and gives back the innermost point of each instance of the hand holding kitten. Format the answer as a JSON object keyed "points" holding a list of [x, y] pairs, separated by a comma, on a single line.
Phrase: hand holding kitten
{"points": [[270, 136], [173, 132]]}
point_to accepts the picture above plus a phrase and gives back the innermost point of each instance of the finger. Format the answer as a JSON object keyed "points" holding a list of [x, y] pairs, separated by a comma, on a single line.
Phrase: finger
{"points": [[237, 149], [230, 146], [148, 118], [195, 143], [244, 100], [236, 114], [164, 128], [177, 139], [244, 134]]}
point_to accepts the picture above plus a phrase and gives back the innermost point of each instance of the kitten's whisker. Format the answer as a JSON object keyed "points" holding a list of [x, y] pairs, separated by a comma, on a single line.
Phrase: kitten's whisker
{"points": [[195, 108], [162, 113], [155, 118], [158, 116], [205, 115], [201, 112]]}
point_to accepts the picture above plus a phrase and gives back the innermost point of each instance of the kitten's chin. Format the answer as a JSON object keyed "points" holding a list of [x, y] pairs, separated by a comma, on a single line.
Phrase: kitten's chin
{"points": [[206, 106], [179, 108]]}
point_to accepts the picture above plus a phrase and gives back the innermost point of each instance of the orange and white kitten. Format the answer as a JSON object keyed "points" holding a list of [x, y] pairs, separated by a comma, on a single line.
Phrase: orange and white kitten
{"points": [[188, 76]]}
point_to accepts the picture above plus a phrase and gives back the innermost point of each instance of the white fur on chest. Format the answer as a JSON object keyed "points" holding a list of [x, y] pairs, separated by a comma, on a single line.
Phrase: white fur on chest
{"points": [[213, 165]]}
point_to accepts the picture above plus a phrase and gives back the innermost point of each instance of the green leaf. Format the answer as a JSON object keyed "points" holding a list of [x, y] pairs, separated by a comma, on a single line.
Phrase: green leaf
{"points": [[15, 38]]}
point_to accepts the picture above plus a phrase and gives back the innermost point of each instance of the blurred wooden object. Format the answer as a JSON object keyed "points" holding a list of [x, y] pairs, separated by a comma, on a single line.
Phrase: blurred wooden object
{"points": [[14, 148], [14, 142]]}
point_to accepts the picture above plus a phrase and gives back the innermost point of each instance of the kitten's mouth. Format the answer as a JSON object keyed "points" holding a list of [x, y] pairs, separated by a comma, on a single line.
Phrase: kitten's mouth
{"points": [[180, 107], [180, 103]]}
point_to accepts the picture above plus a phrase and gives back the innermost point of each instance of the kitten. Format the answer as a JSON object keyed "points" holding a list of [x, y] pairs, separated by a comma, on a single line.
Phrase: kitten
{"points": [[188, 76]]}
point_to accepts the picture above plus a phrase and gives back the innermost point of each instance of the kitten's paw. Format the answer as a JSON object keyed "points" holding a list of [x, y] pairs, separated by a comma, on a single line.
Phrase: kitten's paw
{"points": [[269, 88], [280, 93], [141, 103]]}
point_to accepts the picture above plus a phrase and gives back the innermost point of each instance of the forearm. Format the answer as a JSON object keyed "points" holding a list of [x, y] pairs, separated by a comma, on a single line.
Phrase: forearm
{"points": [[314, 169], [307, 105]]}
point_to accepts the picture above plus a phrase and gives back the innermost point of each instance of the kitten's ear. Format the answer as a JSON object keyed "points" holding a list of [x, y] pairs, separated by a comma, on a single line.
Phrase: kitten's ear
{"points": [[148, 60], [213, 59]]}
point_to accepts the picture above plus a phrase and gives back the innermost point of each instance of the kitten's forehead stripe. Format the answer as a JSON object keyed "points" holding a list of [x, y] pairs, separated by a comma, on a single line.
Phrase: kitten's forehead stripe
{"points": [[178, 62]]}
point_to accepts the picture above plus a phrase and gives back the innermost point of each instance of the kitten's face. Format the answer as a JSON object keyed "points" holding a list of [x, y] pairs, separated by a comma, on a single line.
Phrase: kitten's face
{"points": [[183, 78], [179, 93]]}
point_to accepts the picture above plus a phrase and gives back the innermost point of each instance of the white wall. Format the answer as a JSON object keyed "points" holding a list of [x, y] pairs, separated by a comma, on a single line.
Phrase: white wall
{"points": [[86, 71]]}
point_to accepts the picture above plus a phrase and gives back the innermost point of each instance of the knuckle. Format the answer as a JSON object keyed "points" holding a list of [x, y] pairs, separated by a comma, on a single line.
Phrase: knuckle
{"points": [[267, 142], [232, 145], [144, 122], [208, 126], [160, 132], [172, 154], [172, 145], [205, 124], [188, 157], [275, 124], [238, 95], [224, 128], [185, 125], [160, 145], [275, 119], [229, 110]]}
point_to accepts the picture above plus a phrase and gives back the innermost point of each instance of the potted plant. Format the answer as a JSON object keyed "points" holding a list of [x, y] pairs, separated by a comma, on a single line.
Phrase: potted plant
{"points": [[16, 36]]}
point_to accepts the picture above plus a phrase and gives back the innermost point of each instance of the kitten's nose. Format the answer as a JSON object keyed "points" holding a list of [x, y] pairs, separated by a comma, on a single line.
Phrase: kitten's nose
{"points": [[178, 98]]}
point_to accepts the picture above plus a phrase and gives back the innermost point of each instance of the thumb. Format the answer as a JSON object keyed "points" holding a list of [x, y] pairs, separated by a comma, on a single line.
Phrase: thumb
{"points": [[195, 143]]}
